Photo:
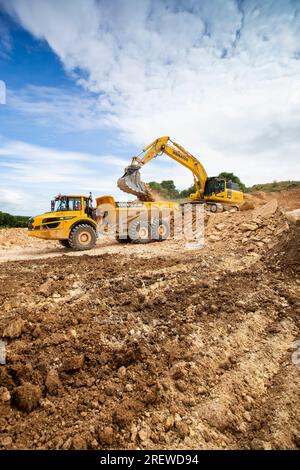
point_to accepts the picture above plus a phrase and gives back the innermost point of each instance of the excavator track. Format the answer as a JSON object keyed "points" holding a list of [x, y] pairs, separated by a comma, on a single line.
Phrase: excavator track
{"points": [[131, 183]]}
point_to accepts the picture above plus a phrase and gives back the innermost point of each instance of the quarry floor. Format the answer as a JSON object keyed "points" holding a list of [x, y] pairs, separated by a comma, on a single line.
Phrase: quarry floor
{"points": [[155, 346]]}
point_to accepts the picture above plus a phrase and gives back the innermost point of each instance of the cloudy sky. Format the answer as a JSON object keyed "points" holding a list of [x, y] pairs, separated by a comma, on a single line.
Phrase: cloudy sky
{"points": [[89, 83]]}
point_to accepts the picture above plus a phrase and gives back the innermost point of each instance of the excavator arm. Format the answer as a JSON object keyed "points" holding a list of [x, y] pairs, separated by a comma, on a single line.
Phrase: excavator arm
{"points": [[131, 183]]}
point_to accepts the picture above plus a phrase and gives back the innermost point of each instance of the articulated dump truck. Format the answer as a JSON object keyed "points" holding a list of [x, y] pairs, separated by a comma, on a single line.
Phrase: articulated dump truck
{"points": [[76, 224]]}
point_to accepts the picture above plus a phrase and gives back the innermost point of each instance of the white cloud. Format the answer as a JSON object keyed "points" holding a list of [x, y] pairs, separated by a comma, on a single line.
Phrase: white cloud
{"points": [[5, 40], [42, 172], [63, 110], [11, 199], [221, 78]]}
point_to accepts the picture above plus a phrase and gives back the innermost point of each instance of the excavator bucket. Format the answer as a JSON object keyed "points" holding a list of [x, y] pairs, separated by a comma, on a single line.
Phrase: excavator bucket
{"points": [[131, 183]]}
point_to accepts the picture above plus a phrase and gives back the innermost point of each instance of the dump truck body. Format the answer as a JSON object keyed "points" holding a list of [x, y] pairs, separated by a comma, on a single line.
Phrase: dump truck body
{"points": [[135, 221]]}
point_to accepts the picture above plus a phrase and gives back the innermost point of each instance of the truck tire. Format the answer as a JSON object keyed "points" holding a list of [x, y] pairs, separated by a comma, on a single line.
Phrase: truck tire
{"points": [[160, 230], [82, 237], [139, 231], [64, 243]]}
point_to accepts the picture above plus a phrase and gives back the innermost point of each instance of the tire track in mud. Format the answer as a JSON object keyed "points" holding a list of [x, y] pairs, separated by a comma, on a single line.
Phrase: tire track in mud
{"points": [[276, 425], [228, 406], [249, 355]]}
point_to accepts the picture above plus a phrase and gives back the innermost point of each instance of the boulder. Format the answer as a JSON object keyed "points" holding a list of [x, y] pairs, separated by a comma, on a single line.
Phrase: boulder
{"points": [[266, 210], [106, 435], [27, 396], [247, 206], [14, 329], [74, 363], [248, 227], [293, 216], [79, 443], [53, 383]]}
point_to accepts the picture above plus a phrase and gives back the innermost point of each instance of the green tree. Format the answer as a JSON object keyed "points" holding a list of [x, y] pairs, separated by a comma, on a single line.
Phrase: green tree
{"points": [[8, 220], [169, 187], [186, 192], [166, 189], [154, 185]]}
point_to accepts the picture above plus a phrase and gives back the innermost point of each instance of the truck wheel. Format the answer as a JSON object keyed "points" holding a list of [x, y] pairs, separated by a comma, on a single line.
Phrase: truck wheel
{"points": [[64, 243], [82, 237], [213, 208], [160, 230], [139, 231]]}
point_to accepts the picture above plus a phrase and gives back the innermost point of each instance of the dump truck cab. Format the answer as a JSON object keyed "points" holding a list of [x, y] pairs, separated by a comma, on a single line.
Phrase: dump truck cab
{"points": [[71, 221]]}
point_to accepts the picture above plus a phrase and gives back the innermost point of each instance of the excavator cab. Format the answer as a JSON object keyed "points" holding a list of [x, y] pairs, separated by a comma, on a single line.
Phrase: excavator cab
{"points": [[218, 192], [214, 185]]}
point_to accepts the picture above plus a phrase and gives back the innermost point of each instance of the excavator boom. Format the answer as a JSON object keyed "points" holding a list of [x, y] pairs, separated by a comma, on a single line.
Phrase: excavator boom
{"points": [[131, 182]]}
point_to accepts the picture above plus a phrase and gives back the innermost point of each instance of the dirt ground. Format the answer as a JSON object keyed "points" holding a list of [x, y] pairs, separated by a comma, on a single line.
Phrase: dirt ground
{"points": [[155, 346], [287, 199]]}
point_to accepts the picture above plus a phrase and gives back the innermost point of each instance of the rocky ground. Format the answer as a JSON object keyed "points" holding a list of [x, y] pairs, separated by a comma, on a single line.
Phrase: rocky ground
{"points": [[156, 346]]}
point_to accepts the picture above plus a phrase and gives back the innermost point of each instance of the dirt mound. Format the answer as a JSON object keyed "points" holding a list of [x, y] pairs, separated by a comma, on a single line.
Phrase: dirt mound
{"points": [[286, 253], [17, 238], [287, 199]]}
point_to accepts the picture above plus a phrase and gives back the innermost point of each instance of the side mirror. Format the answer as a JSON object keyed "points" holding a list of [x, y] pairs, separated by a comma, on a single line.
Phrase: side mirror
{"points": [[52, 205]]}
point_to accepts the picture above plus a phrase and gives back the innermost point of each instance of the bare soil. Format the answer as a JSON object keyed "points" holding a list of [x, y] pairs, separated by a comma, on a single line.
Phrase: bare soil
{"points": [[154, 346], [286, 199]]}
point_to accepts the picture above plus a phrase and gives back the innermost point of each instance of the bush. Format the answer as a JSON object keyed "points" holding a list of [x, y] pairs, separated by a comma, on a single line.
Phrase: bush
{"points": [[275, 186], [8, 220], [166, 189]]}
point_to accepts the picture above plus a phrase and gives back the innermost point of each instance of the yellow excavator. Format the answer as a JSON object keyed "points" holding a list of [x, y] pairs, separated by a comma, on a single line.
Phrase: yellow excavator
{"points": [[216, 192]]}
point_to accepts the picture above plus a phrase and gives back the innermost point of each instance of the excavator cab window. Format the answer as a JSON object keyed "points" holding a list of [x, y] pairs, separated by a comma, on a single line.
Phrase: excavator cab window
{"points": [[231, 185], [214, 186], [220, 186]]}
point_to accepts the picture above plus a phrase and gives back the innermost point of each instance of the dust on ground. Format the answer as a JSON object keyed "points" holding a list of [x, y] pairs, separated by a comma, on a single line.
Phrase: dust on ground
{"points": [[156, 346]]}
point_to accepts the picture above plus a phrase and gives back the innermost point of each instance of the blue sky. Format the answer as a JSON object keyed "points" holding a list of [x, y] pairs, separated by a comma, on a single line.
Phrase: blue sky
{"points": [[89, 83]]}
